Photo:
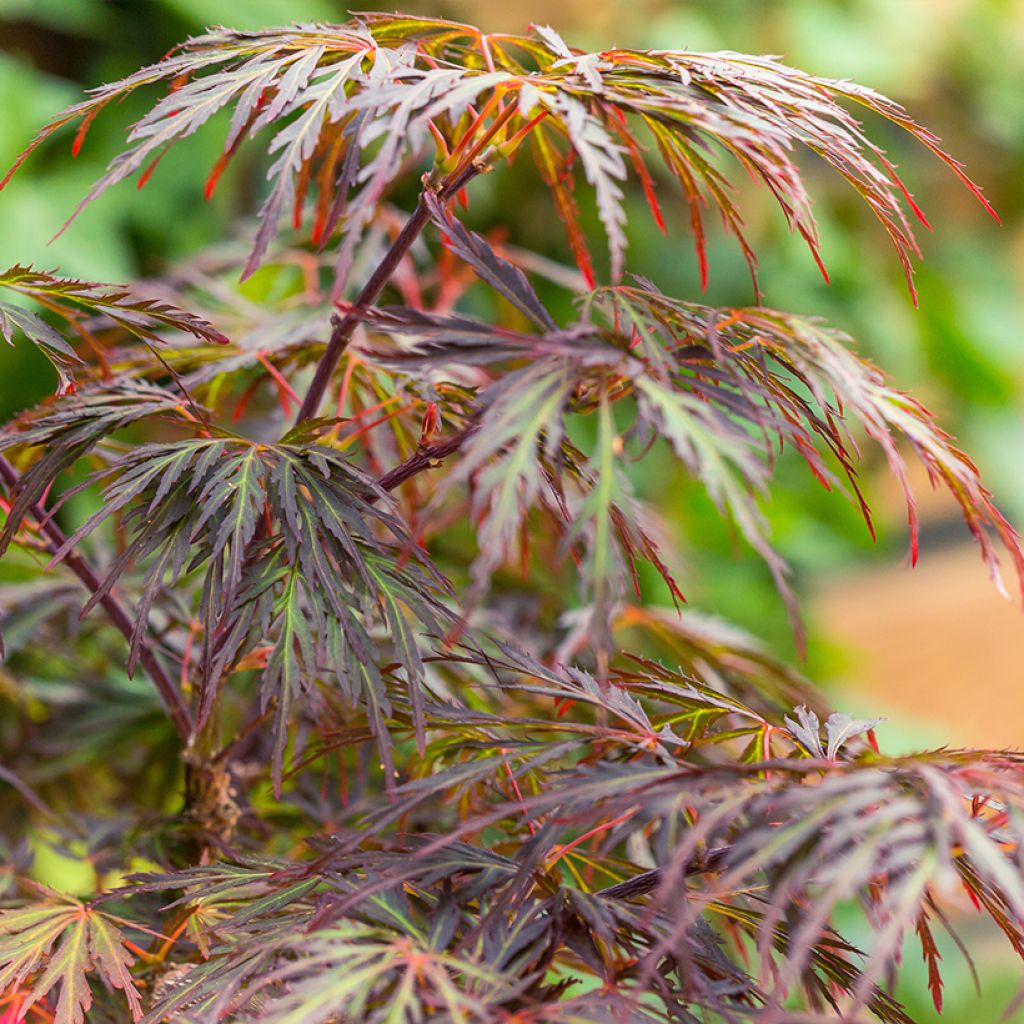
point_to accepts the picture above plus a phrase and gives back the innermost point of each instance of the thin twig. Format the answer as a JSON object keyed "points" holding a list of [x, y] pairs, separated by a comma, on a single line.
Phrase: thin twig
{"points": [[423, 458], [344, 326], [177, 709]]}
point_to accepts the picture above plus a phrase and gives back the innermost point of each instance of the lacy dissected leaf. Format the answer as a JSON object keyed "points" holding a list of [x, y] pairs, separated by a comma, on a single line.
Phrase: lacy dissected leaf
{"points": [[370, 975], [504, 277], [839, 728], [898, 833], [335, 99], [814, 818], [138, 316], [658, 838], [272, 340], [511, 911], [516, 455], [291, 544], [757, 109], [47, 950], [469, 933], [62, 434], [521, 424], [726, 388], [68, 298], [50, 341], [754, 369], [781, 833], [708, 649], [665, 700], [260, 962], [442, 343], [607, 525], [346, 103], [471, 917], [723, 457]]}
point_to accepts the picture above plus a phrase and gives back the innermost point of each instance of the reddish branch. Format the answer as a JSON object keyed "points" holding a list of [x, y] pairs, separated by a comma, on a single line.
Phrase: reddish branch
{"points": [[426, 457], [344, 326], [177, 709]]}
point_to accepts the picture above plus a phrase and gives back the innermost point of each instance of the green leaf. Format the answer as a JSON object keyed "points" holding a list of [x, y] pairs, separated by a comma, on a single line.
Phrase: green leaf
{"points": [[86, 940]]}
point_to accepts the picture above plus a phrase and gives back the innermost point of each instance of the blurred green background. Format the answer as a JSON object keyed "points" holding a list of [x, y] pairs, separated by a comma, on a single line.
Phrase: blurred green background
{"points": [[957, 64]]}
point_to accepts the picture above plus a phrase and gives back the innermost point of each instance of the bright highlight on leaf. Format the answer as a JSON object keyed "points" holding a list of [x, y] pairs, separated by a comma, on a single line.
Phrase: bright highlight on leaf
{"points": [[345, 105]]}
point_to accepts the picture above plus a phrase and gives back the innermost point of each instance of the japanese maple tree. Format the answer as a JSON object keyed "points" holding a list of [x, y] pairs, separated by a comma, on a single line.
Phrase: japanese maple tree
{"points": [[321, 563]]}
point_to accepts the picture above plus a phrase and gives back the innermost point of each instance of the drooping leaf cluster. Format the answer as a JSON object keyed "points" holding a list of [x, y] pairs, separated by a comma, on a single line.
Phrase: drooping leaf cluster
{"points": [[408, 623]]}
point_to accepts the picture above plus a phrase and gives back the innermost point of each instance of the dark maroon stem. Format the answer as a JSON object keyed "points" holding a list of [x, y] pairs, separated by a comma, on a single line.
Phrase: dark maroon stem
{"points": [[344, 326], [177, 709], [426, 457]]}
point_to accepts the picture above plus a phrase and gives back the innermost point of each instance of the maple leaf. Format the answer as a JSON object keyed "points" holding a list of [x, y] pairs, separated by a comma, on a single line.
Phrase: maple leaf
{"points": [[51, 946], [66, 297]]}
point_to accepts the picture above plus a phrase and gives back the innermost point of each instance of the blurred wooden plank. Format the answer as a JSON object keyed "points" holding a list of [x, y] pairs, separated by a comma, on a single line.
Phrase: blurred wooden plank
{"points": [[935, 644]]}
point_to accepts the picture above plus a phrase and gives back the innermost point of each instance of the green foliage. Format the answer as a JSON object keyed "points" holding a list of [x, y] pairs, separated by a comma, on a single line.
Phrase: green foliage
{"points": [[56, 942], [513, 814]]}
